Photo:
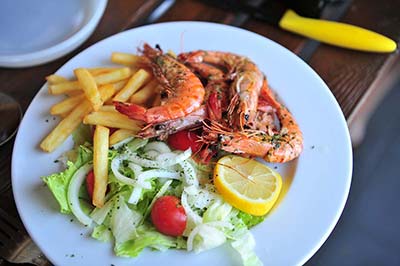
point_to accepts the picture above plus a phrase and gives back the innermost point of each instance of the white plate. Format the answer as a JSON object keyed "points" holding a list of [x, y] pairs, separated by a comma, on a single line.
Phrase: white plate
{"points": [[317, 184], [38, 31]]}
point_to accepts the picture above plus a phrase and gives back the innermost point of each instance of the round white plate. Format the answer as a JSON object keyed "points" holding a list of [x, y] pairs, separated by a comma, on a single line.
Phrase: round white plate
{"points": [[316, 185], [38, 31]]}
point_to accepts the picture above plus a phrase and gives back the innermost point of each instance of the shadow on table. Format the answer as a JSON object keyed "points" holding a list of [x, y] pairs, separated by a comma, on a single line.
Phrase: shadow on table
{"points": [[368, 231]]}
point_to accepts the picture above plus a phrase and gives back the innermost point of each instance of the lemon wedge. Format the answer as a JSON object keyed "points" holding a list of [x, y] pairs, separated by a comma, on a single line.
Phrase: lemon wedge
{"points": [[246, 184]]}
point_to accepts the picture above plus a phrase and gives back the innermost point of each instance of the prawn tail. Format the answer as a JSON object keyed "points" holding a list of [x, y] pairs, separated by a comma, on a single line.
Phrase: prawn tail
{"points": [[131, 110]]}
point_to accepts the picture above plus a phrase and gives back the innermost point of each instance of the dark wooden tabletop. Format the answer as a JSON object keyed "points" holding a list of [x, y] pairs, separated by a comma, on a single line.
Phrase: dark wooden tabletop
{"points": [[352, 76]]}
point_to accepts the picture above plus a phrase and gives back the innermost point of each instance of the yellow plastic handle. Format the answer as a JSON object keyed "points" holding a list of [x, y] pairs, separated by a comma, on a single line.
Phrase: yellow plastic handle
{"points": [[335, 33]]}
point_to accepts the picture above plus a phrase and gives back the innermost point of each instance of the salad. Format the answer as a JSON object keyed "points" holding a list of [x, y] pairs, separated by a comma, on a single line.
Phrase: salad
{"points": [[158, 198], [164, 147]]}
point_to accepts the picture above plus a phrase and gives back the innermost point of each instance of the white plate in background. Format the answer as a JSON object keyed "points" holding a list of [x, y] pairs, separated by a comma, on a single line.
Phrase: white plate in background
{"points": [[38, 31]]}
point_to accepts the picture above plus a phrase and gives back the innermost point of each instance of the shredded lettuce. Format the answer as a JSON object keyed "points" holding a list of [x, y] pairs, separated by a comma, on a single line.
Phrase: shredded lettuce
{"points": [[218, 211], [250, 220], [102, 233], [124, 221], [140, 172], [204, 237], [146, 237], [245, 247]]}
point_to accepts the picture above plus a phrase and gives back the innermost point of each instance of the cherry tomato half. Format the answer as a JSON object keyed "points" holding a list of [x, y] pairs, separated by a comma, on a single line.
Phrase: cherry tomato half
{"points": [[168, 216], [90, 183], [182, 140]]}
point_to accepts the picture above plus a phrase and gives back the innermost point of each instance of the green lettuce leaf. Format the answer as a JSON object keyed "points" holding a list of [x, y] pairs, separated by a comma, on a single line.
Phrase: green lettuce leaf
{"points": [[245, 247], [102, 233], [146, 237], [58, 182], [250, 220]]}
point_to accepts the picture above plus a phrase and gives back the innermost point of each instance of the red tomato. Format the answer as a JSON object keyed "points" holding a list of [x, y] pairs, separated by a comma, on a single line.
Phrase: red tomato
{"points": [[90, 183], [168, 216], [182, 140]]}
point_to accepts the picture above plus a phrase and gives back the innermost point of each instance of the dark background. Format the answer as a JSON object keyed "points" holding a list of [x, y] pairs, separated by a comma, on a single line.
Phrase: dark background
{"points": [[368, 231]]}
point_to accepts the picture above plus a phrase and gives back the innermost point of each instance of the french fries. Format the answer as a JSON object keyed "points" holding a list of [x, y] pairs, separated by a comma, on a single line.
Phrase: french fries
{"points": [[120, 135], [108, 108], [90, 101], [65, 106], [102, 79], [100, 164], [145, 94], [67, 125], [112, 119], [134, 84], [55, 79], [113, 76], [126, 59], [100, 70], [64, 87], [89, 87]]}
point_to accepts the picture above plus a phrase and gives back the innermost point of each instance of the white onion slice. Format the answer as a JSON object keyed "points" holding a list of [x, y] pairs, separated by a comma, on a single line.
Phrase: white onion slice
{"points": [[121, 143], [158, 146], [189, 212], [137, 169], [133, 157], [135, 196], [195, 231], [152, 154], [115, 164], [73, 194], [162, 161], [146, 175], [170, 158], [189, 174]]}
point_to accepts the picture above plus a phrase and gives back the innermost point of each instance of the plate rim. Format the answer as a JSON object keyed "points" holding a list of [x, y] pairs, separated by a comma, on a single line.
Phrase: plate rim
{"points": [[344, 197], [60, 49]]}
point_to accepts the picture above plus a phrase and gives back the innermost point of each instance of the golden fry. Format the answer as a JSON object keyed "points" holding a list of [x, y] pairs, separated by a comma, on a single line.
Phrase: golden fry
{"points": [[145, 94], [108, 108], [112, 119], [66, 126], [126, 59], [55, 79], [113, 76], [64, 87], [105, 78], [100, 164], [74, 93], [120, 135], [65, 106], [120, 84], [89, 87], [95, 71], [134, 84]]}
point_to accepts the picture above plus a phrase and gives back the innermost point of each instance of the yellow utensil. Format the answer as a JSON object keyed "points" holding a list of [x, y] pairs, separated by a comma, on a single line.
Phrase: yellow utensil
{"points": [[336, 33]]}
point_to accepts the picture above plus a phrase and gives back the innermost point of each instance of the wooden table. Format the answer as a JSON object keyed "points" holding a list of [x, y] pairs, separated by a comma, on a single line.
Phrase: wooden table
{"points": [[358, 80]]}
